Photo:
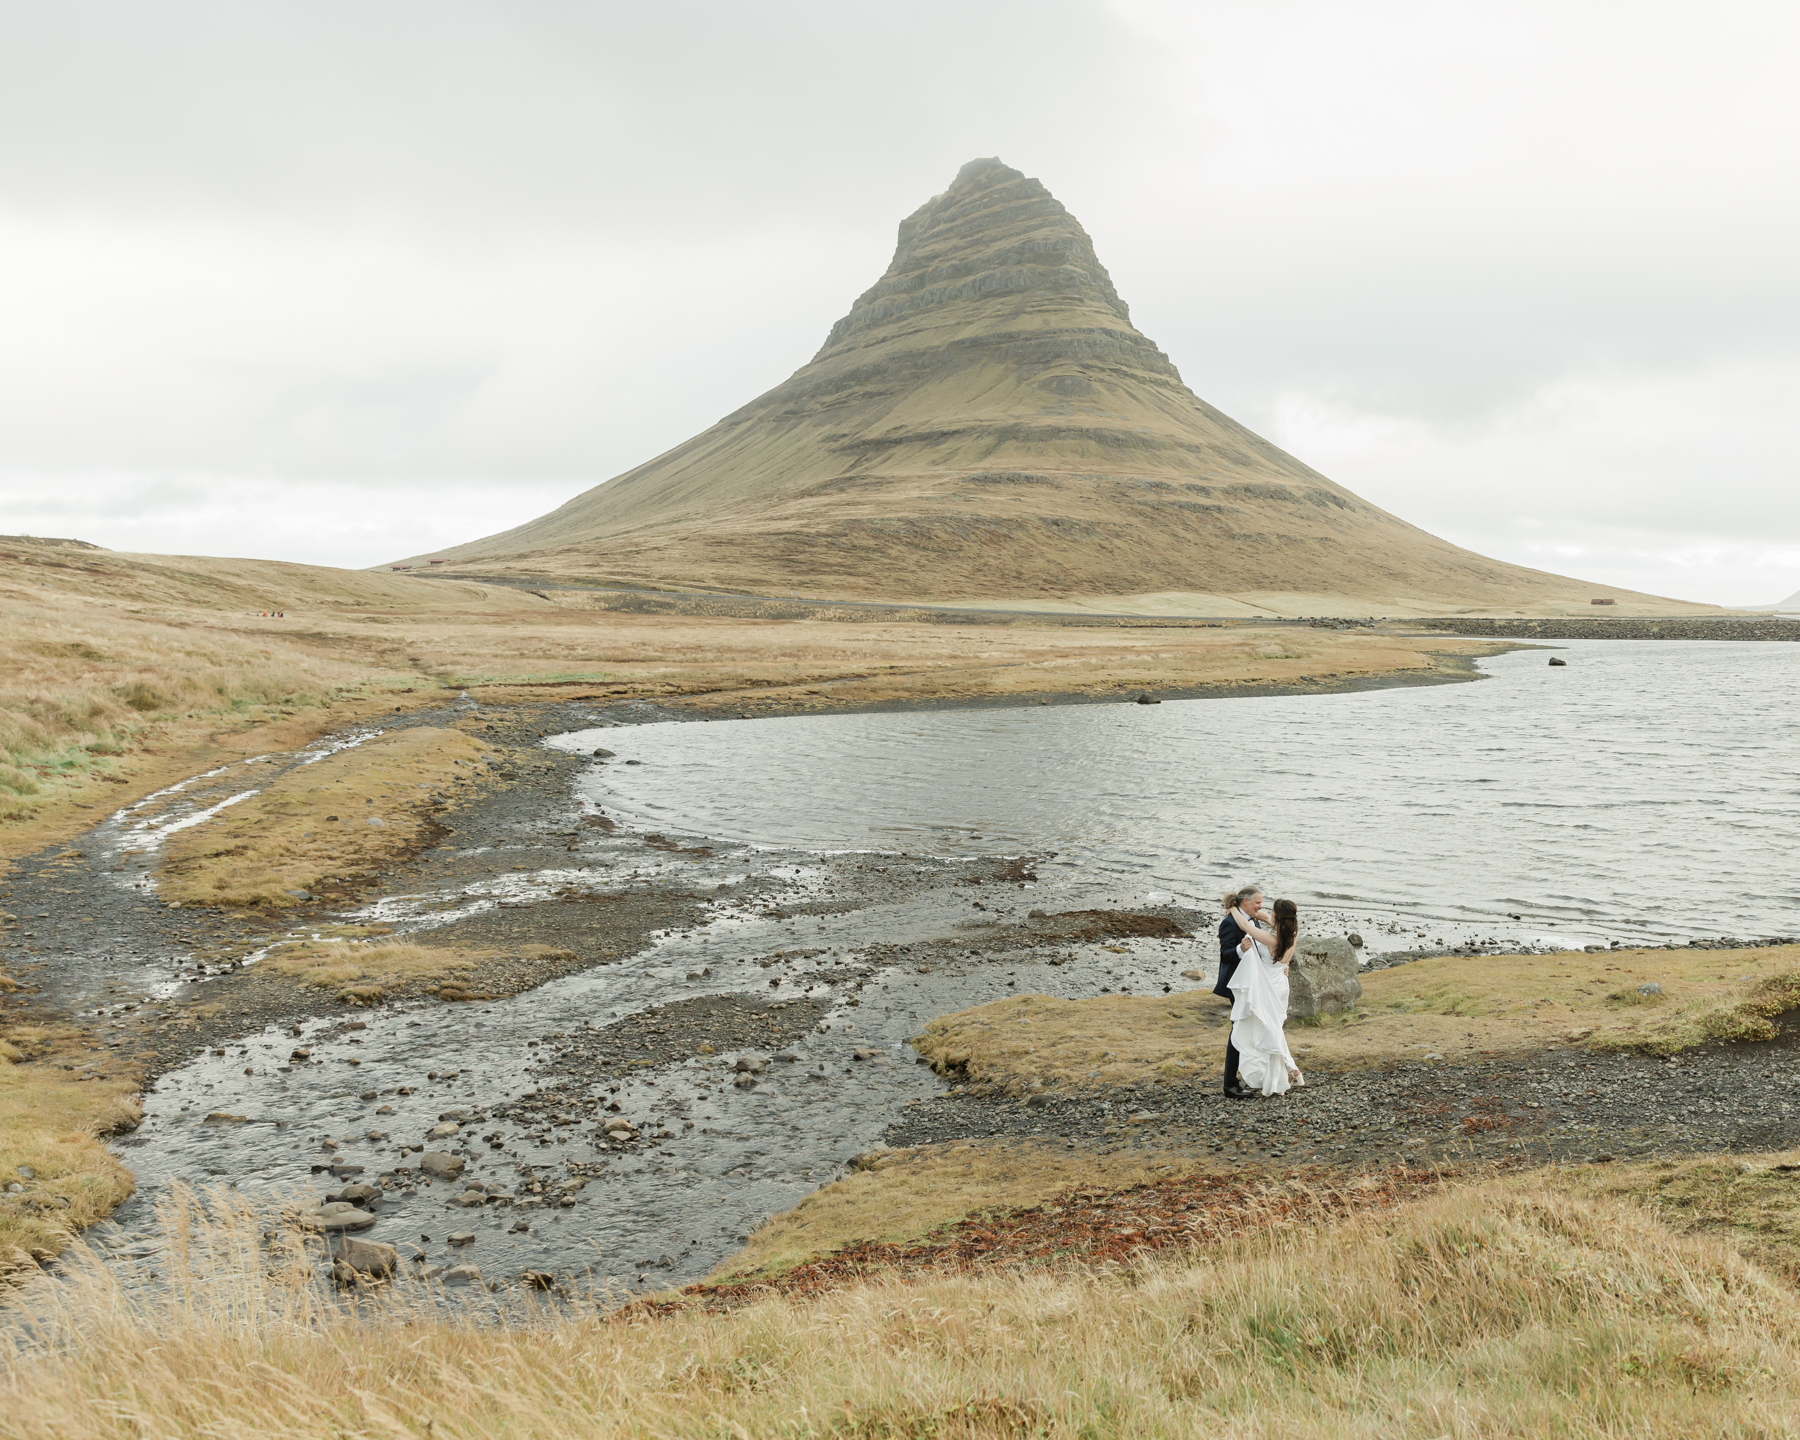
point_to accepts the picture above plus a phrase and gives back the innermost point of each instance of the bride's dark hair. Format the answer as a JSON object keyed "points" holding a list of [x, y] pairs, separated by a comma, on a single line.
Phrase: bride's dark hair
{"points": [[1287, 927]]}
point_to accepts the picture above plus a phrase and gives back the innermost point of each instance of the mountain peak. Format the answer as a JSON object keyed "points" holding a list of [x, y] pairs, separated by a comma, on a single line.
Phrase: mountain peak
{"points": [[986, 422]]}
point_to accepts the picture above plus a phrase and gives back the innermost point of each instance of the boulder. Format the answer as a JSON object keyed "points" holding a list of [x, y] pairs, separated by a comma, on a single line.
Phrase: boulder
{"points": [[358, 1194], [1322, 978], [462, 1275], [441, 1164], [366, 1256]]}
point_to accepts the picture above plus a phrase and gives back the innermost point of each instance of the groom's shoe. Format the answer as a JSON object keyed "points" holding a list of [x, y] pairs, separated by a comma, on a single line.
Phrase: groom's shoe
{"points": [[1239, 1092]]}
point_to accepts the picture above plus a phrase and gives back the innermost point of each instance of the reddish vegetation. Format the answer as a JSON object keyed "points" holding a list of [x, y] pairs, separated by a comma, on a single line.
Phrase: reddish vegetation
{"points": [[1092, 1227]]}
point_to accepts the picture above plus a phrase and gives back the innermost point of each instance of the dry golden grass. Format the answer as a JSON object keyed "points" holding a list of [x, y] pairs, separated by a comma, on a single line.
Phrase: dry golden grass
{"points": [[1454, 1007], [902, 1195], [1522, 1307], [323, 826], [369, 970], [53, 1107], [1752, 1200]]}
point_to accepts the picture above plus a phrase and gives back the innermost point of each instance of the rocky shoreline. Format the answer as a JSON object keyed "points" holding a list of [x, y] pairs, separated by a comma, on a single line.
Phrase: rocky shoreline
{"points": [[1624, 627]]}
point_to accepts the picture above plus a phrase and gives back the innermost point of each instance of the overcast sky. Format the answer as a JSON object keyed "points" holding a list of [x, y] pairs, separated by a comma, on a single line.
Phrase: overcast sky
{"points": [[337, 282]]}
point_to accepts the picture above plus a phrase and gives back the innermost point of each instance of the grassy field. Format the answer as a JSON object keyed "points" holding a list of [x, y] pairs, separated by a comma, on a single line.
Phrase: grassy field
{"points": [[363, 971], [321, 828], [1452, 1007], [57, 1099], [904, 1195], [1543, 1305]]}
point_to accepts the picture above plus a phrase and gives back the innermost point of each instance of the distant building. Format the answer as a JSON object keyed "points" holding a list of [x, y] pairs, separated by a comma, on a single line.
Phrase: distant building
{"points": [[1600, 602]]}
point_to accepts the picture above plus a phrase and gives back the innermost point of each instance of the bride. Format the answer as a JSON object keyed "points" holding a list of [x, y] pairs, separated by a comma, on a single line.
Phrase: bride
{"points": [[1259, 1009]]}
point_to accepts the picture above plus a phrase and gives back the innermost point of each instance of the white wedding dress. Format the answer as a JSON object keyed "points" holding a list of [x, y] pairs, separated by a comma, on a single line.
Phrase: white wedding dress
{"points": [[1258, 1015]]}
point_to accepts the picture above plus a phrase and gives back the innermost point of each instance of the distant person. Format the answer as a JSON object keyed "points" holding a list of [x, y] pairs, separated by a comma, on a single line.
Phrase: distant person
{"points": [[1259, 987], [1246, 903]]}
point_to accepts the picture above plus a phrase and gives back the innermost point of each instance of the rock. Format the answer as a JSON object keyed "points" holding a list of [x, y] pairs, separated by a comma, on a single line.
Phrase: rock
{"points": [[467, 1199], [750, 1065], [521, 1227], [444, 1131], [1148, 699], [301, 894], [1556, 660], [358, 1194], [27, 1173], [366, 1256], [441, 1164], [344, 1276], [618, 1125], [300, 1054], [1356, 941], [745, 1082], [1649, 988], [787, 1058], [867, 1054], [1322, 979], [602, 754], [1195, 975], [462, 1275], [225, 1117], [537, 1279], [460, 1237], [410, 1251], [335, 1217]]}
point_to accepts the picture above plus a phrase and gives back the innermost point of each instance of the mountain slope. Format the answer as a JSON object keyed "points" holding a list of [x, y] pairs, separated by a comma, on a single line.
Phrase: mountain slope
{"points": [[987, 425]]}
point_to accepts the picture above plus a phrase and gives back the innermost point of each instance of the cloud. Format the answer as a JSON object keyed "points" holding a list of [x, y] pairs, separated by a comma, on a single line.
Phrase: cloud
{"points": [[1515, 274]]}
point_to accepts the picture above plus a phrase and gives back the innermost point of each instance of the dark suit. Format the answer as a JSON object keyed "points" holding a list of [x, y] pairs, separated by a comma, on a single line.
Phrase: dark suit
{"points": [[1231, 935]]}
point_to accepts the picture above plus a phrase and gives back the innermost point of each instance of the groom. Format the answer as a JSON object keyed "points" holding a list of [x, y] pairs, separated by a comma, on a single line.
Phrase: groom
{"points": [[1231, 935]]}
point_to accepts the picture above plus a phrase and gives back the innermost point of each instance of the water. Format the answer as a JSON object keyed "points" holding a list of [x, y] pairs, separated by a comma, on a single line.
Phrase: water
{"points": [[1647, 791]]}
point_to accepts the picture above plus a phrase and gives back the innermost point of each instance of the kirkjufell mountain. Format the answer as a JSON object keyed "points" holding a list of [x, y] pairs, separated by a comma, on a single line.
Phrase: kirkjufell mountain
{"points": [[987, 425]]}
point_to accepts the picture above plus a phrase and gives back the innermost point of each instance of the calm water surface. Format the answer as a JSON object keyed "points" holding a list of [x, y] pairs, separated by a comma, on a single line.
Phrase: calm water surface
{"points": [[1647, 790]]}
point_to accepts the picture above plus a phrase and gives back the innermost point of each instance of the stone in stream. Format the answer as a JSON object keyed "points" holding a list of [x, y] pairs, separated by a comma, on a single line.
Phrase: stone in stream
{"points": [[745, 1082], [1322, 978], [750, 1065], [336, 1217], [462, 1275], [1557, 660], [360, 1193], [538, 1279], [366, 1256], [441, 1164], [444, 1131], [467, 1199], [460, 1237]]}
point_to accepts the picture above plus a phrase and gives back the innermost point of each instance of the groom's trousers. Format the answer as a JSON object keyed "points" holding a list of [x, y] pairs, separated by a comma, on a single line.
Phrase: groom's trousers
{"points": [[1231, 1066]]}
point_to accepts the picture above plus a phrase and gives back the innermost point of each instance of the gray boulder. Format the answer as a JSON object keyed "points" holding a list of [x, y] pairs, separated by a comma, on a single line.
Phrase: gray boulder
{"points": [[1322, 978], [441, 1164]]}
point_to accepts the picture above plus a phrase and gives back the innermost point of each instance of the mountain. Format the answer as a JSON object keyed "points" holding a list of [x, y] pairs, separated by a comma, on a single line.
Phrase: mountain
{"points": [[986, 425], [1789, 606]]}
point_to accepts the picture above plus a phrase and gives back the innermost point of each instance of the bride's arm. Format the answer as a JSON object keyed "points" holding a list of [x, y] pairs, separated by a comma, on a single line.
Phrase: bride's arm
{"points": [[1254, 931]]}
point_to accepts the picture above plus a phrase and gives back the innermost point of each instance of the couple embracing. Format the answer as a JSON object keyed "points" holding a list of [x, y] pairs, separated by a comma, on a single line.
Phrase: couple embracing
{"points": [[1254, 951]]}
